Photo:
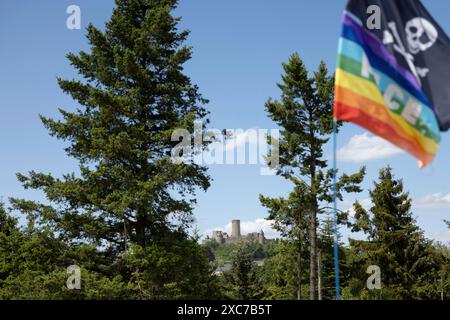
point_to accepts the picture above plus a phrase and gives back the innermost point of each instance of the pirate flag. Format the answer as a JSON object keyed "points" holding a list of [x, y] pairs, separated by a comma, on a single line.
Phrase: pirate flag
{"points": [[393, 74]]}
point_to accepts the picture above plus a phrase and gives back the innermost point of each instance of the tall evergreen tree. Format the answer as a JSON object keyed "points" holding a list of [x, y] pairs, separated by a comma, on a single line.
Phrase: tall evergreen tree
{"points": [[132, 95], [243, 280], [304, 114], [395, 243], [10, 239], [326, 247]]}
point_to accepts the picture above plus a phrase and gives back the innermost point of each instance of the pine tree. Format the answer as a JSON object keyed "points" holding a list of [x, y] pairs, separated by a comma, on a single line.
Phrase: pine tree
{"points": [[132, 95], [326, 247], [305, 116], [395, 243], [10, 239], [243, 280]]}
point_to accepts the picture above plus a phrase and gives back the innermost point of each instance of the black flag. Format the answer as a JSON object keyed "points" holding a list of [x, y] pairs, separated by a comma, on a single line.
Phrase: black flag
{"points": [[417, 41]]}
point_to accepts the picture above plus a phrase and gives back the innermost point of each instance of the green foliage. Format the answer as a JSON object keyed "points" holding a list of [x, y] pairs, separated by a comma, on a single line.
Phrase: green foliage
{"points": [[33, 266], [179, 271], [242, 282], [278, 273], [134, 95], [326, 247], [37, 285], [305, 116], [124, 217], [409, 263], [225, 252]]}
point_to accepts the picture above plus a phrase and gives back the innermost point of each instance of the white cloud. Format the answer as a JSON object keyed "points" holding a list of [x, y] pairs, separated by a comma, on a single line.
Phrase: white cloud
{"points": [[442, 236], [362, 148], [437, 200], [365, 203], [251, 226], [241, 138]]}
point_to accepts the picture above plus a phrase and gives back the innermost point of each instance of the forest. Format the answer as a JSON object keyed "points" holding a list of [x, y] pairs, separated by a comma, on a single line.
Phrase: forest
{"points": [[125, 219]]}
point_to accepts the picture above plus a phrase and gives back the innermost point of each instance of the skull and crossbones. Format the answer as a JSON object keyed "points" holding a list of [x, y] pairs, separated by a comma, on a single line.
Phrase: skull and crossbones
{"points": [[421, 35]]}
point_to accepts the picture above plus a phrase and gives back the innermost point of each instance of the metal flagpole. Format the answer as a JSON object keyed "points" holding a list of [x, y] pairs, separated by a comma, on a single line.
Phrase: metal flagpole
{"points": [[336, 246]]}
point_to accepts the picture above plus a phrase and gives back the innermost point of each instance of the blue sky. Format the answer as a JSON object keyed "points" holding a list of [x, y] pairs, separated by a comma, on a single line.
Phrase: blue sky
{"points": [[238, 50]]}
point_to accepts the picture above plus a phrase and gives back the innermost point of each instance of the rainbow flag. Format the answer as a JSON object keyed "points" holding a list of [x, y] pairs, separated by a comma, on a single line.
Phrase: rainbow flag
{"points": [[381, 76]]}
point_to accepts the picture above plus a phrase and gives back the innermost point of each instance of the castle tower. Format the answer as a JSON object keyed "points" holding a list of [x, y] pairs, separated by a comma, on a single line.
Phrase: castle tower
{"points": [[236, 229]]}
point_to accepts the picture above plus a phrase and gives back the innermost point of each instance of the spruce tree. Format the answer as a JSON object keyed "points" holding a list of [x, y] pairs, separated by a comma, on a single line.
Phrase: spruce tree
{"points": [[304, 114], [243, 280], [10, 239], [326, 247], [131, 95], [394, 242]]}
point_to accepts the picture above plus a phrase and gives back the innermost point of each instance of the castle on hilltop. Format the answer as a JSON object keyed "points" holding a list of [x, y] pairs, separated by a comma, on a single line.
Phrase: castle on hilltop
{"points": [[223, 237]]}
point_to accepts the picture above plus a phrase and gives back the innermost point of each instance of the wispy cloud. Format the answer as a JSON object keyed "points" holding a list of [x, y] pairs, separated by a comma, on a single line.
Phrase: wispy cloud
{"points": [[442, 236], [252, 226], [347, 205], [438, 200], [364, 147], [365, 203]]}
